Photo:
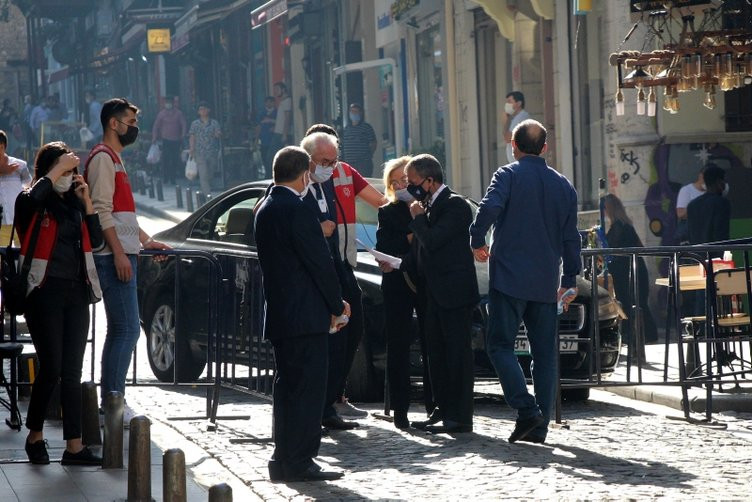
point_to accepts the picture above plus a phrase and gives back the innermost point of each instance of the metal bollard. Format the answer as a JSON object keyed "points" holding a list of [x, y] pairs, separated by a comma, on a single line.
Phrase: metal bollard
{"points": [[90, 434], [200, 198], [189, 199], [221, 492], [160, 191], [139, 460], [112, 454], [141, 184], [173, 476], [151, 187], [179, 196]]}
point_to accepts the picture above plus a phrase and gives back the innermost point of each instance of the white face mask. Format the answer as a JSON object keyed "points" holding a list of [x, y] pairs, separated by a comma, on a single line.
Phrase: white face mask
{"points": [[509, 108], [305, 189], [63, 184], [403, 195], [725, 190], [321, 174]]}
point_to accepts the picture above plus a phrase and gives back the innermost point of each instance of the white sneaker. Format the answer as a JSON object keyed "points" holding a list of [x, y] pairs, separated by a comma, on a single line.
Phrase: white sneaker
{"points": [[128, 413], [345, 409]]}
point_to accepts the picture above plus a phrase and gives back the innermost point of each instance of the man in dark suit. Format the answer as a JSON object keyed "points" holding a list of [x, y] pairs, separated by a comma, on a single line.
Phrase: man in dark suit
{"points": [[441, 220], [533, 210], [303, 302]]}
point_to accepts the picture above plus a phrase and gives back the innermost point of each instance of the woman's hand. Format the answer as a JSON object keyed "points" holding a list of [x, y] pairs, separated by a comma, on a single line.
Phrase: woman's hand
{"points": [[63, 165], [82, 192]]}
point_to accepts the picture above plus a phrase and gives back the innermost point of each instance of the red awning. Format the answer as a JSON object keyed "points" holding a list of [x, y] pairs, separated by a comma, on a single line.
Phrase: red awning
{"points": [[58, 75]]}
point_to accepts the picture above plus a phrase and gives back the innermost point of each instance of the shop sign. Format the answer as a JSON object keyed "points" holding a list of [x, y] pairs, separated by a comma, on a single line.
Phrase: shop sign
{"points": [[401, 7], [268, 12], [387, 31], [158, 39]]}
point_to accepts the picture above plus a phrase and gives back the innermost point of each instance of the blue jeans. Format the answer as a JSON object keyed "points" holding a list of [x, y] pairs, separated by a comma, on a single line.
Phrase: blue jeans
{"points": [[121, 306], [505, 314]]}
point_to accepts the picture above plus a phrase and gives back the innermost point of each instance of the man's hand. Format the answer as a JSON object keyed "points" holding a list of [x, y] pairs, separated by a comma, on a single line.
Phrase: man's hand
{"points": [[152, 244], [9, 168], [416, 208], [347, 311], [567, 299], [481, 254], [385, 267], [328, 227], [123, 267]]}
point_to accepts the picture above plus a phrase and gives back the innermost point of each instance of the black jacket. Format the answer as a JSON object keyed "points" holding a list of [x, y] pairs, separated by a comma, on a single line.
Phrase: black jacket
{"points": [[300, 283], [444, 256]]}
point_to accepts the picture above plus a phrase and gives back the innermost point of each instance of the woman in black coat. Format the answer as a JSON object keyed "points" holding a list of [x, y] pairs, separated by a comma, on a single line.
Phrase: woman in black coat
{"points": [[62, 283], [394, 237], [621, 234]]}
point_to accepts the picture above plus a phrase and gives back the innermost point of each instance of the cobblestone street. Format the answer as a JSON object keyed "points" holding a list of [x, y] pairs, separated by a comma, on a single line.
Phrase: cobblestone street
{"points": [[613, 448]]}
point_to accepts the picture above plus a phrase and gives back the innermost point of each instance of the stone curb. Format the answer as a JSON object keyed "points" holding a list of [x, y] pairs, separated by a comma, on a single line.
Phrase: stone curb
{"points": [[155, 211], [671, 397]]}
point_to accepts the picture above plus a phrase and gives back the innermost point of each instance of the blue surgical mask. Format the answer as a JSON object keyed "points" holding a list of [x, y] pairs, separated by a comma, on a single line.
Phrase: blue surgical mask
{"points": [[354, 117], [403, 195], [322, 173]]}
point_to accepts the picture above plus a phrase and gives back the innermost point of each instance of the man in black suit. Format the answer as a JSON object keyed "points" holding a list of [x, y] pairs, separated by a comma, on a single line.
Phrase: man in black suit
{"points": [[303, 302], [441, 222]]}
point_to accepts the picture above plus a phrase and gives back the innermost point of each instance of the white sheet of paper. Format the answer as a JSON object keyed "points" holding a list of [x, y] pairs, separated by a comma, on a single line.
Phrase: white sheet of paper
{"points": [[391, 260]]}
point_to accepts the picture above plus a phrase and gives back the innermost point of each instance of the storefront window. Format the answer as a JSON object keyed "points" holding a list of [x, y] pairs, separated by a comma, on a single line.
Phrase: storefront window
{"points": [[431, 92]]}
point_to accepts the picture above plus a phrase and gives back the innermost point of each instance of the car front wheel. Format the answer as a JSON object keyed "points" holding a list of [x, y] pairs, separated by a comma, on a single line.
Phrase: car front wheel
{"points": [[163, 347]]}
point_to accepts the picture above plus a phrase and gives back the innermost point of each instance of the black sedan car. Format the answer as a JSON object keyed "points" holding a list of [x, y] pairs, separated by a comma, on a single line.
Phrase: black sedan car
{"points": [[224, 226]]}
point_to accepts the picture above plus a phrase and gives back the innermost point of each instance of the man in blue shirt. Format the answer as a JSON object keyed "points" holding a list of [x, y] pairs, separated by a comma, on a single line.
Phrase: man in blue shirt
{"points": [[534, 212]]}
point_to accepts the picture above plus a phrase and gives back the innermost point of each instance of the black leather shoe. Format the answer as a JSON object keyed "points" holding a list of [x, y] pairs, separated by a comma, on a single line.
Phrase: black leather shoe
{"points": [[37, 452], [315, 473], [401, 421], [324, 431], [335, 422], [435, 418], [449, 428], [523, 427], [83, 457], [532, 439]]}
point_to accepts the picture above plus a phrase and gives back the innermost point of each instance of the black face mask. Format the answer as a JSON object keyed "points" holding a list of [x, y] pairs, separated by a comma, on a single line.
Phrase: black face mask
{"points": [[418, 192], [130, 135]]}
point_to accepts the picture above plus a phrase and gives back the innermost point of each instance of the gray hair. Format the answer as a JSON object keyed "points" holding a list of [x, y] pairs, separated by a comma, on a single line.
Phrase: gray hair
{"points": [[313, 141]]}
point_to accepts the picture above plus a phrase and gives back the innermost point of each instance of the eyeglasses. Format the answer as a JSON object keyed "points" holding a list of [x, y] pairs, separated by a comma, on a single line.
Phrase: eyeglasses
{"points": [[399, 182], [328, 163]]}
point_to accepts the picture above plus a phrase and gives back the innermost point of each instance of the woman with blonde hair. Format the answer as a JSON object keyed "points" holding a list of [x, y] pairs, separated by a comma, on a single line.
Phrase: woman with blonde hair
{"points": [[621, 234], [394, 237]]}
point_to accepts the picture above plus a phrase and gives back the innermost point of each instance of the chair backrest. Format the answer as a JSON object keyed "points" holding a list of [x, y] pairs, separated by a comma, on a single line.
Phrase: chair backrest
{"points": [[732, 281], [239, 220]]}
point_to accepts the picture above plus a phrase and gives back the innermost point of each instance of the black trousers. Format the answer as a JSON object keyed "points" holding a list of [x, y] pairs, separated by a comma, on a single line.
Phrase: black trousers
{"points": [[450, 360], [58, 321], [299, 387], [399, 303], [171, 165], [336, 375], [354, 330]]}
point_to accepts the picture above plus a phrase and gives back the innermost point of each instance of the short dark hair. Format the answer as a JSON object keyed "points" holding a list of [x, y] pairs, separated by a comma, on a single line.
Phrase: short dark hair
{"points": [[281, 85], [713, 175], [270, 98], [427, 166], [289, 163], [115, 107], [46, 157], [322, 128], [356, 105], [517, 96], [3, 138], [529, 136], [204, 104]]}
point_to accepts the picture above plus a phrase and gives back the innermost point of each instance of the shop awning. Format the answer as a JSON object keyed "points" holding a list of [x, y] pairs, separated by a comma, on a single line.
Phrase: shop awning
{"points": [[58, 75], [544, 8], [500, 12], [200, 16]]}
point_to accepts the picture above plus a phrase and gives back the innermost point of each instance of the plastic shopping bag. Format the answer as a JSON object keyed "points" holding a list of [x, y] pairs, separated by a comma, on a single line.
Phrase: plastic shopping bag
{"points": [[154, 154], [191, 169]]}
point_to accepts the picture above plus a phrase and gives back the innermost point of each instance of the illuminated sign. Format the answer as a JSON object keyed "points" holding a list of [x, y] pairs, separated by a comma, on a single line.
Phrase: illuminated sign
{"points": [[158, 39]]}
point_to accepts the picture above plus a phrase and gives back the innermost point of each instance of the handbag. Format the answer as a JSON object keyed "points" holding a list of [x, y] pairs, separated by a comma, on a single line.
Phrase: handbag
{"points": [[14, 283], [191, 169], [154, 155]]}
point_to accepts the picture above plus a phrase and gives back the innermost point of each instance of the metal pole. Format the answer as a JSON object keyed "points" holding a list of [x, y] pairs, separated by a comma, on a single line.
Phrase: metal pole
{"points": [[220, 493], [90, 414], [139, 460], [200, 198], [112, 455], [151, 188], [173, 476], [179, 196], [189, 199], [160, 191]]}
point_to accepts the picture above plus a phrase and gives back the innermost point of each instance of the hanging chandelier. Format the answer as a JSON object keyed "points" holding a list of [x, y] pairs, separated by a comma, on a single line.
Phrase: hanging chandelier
{"points": [[696, 46]]}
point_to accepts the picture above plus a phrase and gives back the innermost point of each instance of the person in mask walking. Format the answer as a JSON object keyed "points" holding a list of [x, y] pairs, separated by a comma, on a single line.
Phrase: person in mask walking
{"points": [[170, 128], [514, 113], [359, 142], [116, 263]]}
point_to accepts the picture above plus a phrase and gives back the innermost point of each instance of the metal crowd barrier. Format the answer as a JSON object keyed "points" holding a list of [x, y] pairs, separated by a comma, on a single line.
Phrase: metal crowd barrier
{"points": [[720, 342], [212, 382]]}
